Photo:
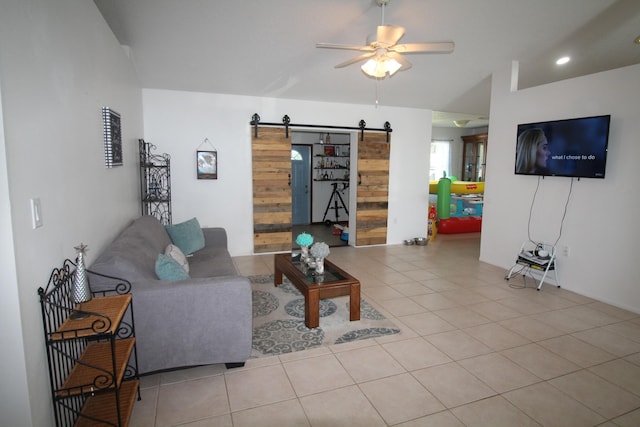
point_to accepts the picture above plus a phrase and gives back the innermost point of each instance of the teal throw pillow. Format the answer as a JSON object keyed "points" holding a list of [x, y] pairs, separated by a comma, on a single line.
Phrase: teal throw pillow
{"points": [[168, 268], [188, 236]]}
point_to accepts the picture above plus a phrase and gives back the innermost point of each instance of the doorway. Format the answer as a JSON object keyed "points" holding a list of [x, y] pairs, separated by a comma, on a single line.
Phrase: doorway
{"points": [[320, 177], [301, 184], [363, 189]]}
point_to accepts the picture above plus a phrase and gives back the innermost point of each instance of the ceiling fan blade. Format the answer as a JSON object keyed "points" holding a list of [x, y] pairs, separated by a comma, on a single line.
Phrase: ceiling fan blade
{"points": [[388, 35], [404, 62], [435, 47], [356, 59], [343, 46]]}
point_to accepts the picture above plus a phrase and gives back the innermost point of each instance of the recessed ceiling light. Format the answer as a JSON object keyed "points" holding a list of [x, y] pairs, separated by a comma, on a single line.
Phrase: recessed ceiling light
{"points": [[563, 60], [637, 40]]}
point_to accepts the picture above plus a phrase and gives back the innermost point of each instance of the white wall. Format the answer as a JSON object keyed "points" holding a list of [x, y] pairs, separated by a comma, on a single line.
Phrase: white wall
{"points": [[177, 122], [14, 396], [601, 226], [59, 64]]}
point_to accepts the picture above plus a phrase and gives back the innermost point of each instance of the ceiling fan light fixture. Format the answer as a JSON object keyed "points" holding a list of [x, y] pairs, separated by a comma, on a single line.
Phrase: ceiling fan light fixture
{"points": [[379, 67], [384, 54], [392, 66], [372, 68], [461, 123]]}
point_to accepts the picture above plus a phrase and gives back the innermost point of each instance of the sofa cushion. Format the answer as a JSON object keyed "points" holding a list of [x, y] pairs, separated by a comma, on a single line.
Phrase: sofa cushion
{"points": [[188, 235], [211, 262], [132, 255], [168, 268], [174, 252]]}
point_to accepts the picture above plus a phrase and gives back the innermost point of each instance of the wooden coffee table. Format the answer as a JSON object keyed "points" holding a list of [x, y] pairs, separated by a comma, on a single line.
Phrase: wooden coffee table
{"points": [[334, 282]]}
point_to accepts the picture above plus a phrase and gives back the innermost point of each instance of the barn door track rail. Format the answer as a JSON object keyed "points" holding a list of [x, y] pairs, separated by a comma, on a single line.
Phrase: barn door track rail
{"points": [[286, 123]]}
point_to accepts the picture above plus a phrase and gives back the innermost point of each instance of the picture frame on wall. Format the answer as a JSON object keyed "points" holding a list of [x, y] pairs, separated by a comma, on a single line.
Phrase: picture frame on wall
{"points": [[207, 164], [112, 129]]}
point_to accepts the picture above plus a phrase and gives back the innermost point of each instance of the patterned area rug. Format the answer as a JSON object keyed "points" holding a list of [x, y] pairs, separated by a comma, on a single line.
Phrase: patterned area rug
{"points": [[278, 320]]}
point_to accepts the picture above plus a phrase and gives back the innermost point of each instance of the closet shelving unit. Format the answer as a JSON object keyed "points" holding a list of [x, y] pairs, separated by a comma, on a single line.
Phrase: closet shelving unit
{"points": [[332, 163]]}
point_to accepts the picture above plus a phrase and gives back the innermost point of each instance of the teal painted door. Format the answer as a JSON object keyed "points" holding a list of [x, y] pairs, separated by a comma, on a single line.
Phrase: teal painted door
{"points": [[301, 184]]}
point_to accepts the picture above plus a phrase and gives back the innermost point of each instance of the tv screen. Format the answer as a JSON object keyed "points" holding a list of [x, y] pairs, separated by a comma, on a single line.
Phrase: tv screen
{"points": [[572, 147]]}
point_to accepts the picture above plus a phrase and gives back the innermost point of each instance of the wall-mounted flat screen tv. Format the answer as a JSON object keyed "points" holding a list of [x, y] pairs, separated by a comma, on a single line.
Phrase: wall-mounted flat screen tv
{"points": [[572, 147]]}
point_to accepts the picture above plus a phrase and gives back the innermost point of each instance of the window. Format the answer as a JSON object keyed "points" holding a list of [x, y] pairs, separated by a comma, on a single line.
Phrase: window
{"points": [[295, 155], [440, 159]]}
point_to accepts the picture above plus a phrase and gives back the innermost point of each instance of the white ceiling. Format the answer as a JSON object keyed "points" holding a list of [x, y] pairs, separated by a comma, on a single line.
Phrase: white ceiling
{"points": [[267, 48]]}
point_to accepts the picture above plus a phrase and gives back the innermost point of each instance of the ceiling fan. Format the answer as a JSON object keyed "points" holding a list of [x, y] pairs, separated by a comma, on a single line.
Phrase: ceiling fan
{"points": [[384, 53]]}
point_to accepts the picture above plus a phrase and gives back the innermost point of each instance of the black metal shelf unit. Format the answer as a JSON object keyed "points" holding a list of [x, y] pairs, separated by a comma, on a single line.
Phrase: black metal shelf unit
{"points": [[93, 366], [330, 161], [155, 183]]}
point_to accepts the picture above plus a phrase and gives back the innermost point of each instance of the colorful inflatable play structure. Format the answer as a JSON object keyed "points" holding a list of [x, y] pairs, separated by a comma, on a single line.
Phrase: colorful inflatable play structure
{"points": [[458, 205]]}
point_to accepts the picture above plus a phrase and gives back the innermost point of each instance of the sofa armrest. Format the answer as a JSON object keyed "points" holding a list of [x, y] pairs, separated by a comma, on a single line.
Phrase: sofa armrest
{"points": [[192, 322], [215, 237]]}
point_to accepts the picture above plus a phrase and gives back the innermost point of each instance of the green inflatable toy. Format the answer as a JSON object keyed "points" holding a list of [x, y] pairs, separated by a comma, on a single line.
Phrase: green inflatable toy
{"points": [[443, 206]]}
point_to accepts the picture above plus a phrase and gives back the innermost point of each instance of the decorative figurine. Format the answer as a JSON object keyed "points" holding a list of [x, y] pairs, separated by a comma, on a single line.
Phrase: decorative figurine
{"points": [[80, 291], [319, 251], [304, 240]]}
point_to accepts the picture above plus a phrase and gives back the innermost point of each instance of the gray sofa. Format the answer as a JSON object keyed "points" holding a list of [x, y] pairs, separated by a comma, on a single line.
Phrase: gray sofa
{"points": [[202, 320]]}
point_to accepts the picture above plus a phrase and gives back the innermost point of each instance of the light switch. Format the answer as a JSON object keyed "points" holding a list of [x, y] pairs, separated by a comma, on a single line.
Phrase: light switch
{"points": [[36, 213]]}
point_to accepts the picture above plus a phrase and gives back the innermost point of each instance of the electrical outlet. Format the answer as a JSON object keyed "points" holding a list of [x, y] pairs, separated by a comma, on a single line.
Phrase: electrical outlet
{"points": [[566, 250]]}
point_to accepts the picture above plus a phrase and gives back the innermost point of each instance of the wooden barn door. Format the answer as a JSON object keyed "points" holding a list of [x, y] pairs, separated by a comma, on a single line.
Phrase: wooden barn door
{"points": [[373, 189], [271, 154]]}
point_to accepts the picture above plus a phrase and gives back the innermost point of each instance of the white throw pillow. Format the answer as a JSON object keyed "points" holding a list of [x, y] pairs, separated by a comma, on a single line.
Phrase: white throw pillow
{"points": [[174, 252]]}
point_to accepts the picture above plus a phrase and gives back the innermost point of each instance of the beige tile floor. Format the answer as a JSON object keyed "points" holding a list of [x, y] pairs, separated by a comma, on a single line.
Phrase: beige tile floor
{"points": [[475, 351]]}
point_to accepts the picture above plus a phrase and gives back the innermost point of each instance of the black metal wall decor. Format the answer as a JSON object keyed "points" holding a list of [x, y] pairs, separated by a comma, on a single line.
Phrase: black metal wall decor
{"points": [[112, 138], [155, 183], [286, 123]]}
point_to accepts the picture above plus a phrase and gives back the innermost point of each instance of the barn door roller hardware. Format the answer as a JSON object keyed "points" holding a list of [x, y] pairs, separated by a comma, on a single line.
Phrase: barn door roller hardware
{"points": [[286, 123]]}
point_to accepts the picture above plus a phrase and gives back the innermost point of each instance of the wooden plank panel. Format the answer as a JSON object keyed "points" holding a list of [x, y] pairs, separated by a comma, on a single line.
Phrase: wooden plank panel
{"points": [[282, 247], [270, 174], [365, 241], [265, 205], [272, 218], [271, 164], [377, 234], [373, 190], [372, 216], [272, 238], [369, 227], [373, 205], [267, 194], [372, 196], [375, 165], [272, 228], [368, 224]]}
